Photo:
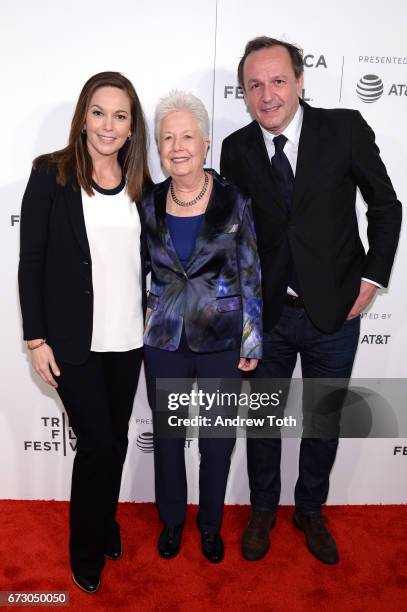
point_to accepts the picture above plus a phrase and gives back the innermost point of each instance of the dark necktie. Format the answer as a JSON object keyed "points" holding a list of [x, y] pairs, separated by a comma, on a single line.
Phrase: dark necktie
{"points": [[283, 171], [284, 174]]}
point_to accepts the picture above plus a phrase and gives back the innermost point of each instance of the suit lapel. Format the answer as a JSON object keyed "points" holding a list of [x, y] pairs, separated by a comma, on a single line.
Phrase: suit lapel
{"points": [[307, 159], [258, 160], [75, 212]]}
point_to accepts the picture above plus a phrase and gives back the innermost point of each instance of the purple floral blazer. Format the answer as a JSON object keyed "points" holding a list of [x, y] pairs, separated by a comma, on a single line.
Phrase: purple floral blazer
{"points": [[217, 297]]}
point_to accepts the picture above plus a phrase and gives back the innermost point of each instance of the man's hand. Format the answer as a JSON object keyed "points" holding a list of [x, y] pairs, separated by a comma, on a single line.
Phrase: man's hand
{"points": [[366, 294]]}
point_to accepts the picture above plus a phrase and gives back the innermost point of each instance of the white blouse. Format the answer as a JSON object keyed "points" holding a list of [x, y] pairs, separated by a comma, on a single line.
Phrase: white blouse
{"points": [[113, 228]]}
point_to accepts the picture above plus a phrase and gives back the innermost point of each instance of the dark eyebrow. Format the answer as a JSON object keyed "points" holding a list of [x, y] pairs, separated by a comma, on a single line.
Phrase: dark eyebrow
{"points": [[118, 111], [276, 76]]}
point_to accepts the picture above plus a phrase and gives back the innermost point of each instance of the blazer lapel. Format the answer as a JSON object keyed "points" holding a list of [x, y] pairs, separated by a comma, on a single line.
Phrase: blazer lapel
{"points": [[75, 212], [307, 160], [213, 218], [160, 203]]}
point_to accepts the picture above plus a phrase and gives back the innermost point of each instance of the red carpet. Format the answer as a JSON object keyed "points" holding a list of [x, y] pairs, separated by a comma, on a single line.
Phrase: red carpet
{"points": [[371, 576]]}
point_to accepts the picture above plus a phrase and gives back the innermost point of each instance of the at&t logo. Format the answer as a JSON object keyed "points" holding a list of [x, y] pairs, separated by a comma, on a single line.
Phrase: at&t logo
{"points": [[370, 88], [375, 339], [145, 442]]}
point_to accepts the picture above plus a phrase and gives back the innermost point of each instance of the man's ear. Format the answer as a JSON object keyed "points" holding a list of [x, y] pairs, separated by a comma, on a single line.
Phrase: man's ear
{"points": [[300, 85]]}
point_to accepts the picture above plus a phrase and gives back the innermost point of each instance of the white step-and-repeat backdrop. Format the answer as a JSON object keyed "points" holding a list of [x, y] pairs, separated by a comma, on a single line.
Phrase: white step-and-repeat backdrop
{"points": [[48, 50]]}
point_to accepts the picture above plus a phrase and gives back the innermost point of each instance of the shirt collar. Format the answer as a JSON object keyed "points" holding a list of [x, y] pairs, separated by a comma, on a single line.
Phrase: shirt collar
{"points": [[292, 131]]}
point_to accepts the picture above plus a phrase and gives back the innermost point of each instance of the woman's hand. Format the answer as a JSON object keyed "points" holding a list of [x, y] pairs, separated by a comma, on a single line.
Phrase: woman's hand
{"points": [[247, 365], [43, 362]]}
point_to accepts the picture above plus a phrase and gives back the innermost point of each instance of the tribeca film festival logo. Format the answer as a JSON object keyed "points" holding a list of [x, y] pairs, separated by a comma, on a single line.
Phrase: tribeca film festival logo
{"points": [[61, 438], [236, 92], [310, 61], [370, 88], [400, 450]]}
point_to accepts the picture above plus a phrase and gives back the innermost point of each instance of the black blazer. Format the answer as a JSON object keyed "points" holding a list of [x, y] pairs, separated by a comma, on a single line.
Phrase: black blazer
{"points": [[55, 270], [337, 153]]}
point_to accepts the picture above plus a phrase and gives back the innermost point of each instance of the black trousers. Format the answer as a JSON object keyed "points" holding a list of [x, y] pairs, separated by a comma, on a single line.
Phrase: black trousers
{"points": [[322, 356], [169, 453], [98, 398]]}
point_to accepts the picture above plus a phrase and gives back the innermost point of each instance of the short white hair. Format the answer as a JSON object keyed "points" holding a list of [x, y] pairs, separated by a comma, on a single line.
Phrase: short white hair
{"points": [[178, 100]]}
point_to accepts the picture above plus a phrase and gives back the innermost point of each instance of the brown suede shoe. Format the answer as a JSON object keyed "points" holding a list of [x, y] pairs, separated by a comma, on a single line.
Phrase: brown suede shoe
{"points": [[256, 539], [319, 541]]}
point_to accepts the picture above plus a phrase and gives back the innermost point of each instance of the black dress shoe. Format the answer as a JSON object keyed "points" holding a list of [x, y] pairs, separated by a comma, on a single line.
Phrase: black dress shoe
{"points": [[113, 553], [319, 541], [113, 548], [212, 546], [256, 536], [169, 541], [89, 584]]}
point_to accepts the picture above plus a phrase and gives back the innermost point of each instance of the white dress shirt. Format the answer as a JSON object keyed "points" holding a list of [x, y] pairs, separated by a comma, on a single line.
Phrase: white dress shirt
{"points": [[113, 228]]}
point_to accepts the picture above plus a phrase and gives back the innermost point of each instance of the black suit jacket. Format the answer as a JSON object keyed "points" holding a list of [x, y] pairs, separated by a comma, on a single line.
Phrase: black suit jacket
{"points": [[337, 153], [55, 269]]}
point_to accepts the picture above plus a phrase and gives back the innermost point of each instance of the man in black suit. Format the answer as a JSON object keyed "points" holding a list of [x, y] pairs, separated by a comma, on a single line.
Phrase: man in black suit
{"points": [[302, 166]]}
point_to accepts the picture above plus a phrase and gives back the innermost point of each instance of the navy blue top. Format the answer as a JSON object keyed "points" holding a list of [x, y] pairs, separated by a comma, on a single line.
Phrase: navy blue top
{"points": [[183, 232]]}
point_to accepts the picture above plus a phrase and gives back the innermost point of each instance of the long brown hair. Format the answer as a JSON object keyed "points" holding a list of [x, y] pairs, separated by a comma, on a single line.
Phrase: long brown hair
{"points": [[74, 163]]}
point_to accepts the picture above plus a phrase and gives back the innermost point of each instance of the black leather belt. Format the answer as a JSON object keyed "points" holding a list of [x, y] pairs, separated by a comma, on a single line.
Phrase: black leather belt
{"points": [[295, 301]]}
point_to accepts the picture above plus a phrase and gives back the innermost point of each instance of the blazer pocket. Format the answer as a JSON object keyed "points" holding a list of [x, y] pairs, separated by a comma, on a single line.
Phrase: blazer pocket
{"points": [[229, 303], [152, 301]]}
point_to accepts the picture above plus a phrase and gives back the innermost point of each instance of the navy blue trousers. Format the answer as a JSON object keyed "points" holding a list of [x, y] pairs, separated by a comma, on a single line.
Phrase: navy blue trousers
{"points": [[322, 356], [169, 456]]}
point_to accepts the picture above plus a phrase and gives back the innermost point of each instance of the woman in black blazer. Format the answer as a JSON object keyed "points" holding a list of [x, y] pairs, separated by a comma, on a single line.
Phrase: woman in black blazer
{"points": [[82, 292]]}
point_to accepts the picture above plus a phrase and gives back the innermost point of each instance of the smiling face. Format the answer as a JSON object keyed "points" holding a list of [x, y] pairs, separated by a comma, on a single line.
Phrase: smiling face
{"points": [[182, 145], [271, 88], [108, 121]]}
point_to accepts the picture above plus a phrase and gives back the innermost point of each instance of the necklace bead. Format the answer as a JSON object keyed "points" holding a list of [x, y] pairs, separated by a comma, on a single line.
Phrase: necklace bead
{"points": [[196, 199]]}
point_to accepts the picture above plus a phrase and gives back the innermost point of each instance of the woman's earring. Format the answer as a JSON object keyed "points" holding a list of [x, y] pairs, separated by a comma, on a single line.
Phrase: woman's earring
{"points": [[129, 137], [83, 130]]}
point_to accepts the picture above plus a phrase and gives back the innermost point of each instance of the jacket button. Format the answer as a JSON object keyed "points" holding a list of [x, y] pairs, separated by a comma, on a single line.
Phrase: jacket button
{"points": [[85, 263], [87, 292]]}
